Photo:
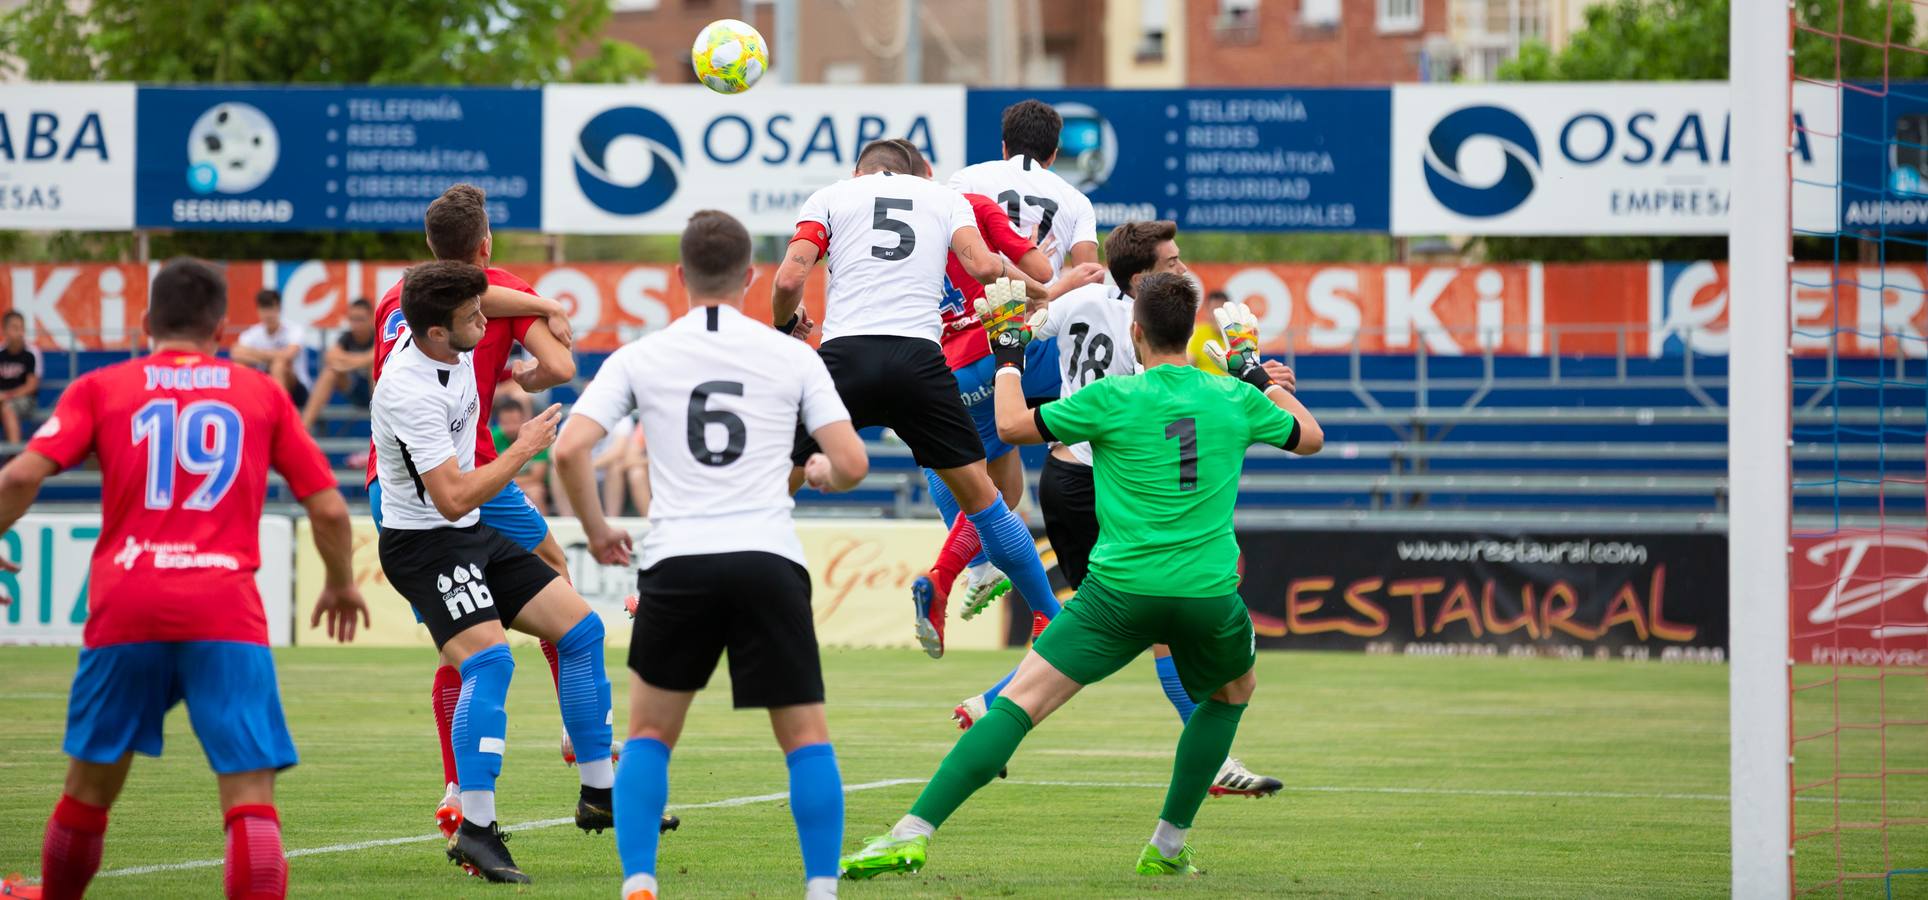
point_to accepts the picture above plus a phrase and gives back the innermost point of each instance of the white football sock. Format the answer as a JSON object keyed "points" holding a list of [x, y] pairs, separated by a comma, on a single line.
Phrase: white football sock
{"points": [[1168, 838], [598, 774], [820, 889], [478, 807], [912, 826], [635, 883]]}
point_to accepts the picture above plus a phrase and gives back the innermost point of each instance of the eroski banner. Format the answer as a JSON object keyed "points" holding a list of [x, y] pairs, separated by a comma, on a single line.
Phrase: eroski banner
{"points": [[624, 160]]}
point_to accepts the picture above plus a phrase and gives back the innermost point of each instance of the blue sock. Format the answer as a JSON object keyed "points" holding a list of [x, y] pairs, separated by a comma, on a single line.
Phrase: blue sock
{"points": [[1008, 543], [583, 690], [817, 803], [991, 695], [941, 495], [1174, 689], [642, 790], [482, 718]]}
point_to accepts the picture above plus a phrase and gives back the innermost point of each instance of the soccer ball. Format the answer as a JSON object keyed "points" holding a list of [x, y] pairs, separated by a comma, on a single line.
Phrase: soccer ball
{"points": [[729, 56]]}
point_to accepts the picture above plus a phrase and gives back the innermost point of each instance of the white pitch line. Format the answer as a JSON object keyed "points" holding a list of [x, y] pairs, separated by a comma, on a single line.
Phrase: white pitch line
{"points": [[524, 826], [896, 782]]}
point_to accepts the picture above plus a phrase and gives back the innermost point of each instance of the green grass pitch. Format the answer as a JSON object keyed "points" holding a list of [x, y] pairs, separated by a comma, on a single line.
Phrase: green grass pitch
{"points": [[1405, 777]]}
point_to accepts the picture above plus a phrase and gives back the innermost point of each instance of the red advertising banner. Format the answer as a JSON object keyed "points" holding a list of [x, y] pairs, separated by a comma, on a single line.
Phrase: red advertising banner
{"points": [[1859, 598], [1641, 309]]}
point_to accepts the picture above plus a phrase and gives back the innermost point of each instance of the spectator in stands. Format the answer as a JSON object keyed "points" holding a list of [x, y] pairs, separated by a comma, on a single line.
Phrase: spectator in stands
{"points": [[534, 477], [1206, 330], [20, 369], [345, 366], [608, 459], [276, 347]]}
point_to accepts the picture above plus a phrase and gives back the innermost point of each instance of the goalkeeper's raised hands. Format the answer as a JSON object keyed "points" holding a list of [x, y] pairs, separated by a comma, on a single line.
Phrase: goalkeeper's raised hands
{"points": [[1003, 309], [1237, 351]]}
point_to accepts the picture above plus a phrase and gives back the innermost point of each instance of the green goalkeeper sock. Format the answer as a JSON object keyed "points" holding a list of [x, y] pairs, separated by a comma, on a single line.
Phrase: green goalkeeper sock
{"points": [[1202, 748], [976, 759]]}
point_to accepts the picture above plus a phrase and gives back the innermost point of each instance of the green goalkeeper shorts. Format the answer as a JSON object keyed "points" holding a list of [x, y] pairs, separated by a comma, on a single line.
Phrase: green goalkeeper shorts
{"points": [[1101, 630]]}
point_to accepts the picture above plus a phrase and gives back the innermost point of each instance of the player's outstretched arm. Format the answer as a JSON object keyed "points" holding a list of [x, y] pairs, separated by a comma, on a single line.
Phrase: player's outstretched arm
{"points": [[843, 463], [456, 493], [1003, 310], [499, 302], [975, 255], [1311, 436], [577, 473], [786, 292], [19, 483], [554, 363], [340, 600]]}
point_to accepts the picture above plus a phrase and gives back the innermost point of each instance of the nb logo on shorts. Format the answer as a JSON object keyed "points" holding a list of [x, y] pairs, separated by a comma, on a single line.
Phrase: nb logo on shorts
{"points": [[463, 591]]}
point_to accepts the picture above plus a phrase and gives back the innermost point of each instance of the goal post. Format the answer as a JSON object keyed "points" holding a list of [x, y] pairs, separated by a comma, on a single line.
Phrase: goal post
{"points": [[1761, 88]]}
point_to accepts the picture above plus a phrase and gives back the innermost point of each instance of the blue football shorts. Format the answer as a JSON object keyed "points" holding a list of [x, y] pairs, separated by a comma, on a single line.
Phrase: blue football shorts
{"points": [[976, 381], [122, 692]]}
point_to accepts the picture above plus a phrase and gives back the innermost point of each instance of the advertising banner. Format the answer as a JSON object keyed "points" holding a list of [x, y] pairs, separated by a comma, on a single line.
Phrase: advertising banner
{"points": [[1230, 160], [67, 156], [1643, 309], [640, 160], [54, 551], [333, 159], [1594, 158], [860, 576], [1859, 598], [1639, 596]]}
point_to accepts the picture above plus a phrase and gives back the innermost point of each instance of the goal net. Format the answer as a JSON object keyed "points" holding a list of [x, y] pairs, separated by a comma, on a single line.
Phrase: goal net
{"points": [[1828, 539]]}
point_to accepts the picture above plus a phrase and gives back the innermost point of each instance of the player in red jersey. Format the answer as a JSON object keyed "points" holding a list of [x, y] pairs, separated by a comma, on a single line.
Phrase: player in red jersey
{"points": [[968, 353], [185, 441], [457, 227]]}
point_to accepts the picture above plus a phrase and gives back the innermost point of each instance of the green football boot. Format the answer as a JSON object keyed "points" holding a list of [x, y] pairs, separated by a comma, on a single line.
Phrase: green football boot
{"points": [[886, 854], [1152, 862], [983, 584]]}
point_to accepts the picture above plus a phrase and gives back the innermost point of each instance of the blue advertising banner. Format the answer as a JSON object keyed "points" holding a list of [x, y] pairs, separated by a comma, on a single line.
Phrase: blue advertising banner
{"points": [[335, 159], [1243, 160], [1884, 156]]}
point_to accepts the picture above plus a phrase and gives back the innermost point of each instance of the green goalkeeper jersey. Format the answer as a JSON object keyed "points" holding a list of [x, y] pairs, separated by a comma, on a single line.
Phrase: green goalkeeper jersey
{"points": [[1168, 446]]}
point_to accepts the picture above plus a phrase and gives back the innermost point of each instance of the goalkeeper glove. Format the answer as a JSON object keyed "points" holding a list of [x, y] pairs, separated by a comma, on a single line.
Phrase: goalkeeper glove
{"points": [[1239, 354], [1003, 310]]}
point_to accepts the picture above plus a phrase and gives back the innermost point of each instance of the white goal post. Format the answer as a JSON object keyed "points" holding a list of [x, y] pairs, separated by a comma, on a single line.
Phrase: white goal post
{"points": [[1759, 241]]}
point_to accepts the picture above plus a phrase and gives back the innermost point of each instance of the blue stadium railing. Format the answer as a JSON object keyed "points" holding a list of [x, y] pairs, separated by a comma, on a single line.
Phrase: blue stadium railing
{"points": [[1419, 437]]}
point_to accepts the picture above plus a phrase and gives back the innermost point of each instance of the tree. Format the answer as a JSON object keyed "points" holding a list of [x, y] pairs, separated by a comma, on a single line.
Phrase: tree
{"points": [[1685, 40], [442, 42]]}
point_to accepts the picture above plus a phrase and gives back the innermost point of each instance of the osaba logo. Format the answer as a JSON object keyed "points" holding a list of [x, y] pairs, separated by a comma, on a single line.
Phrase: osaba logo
{"points": [[1451, 187], [612, 184]]}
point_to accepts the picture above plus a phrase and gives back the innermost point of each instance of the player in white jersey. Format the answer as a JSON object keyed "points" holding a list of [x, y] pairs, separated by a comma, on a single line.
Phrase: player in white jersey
{"points": [[888, 233], [465, 580], [720, 396], [1092, 326], [1039, 201]]}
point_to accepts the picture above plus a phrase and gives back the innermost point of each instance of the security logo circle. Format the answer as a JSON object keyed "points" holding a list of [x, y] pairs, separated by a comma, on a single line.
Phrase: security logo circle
{"points": [[231, 149], [627, 160], [1478, 197], [1087, 147]]}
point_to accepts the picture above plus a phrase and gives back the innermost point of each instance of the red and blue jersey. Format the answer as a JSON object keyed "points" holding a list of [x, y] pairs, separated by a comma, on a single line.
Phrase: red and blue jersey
{"points": [[185, 441], [490, 356], [964, 340]]}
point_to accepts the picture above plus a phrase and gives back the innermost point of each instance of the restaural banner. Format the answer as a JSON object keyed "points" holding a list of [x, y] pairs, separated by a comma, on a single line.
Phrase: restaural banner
{"points": [[1639, 596]]}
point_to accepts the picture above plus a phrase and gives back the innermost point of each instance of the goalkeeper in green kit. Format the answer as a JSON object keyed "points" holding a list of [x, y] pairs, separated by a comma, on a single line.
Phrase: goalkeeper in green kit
{"points": [[1168, 446]]}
